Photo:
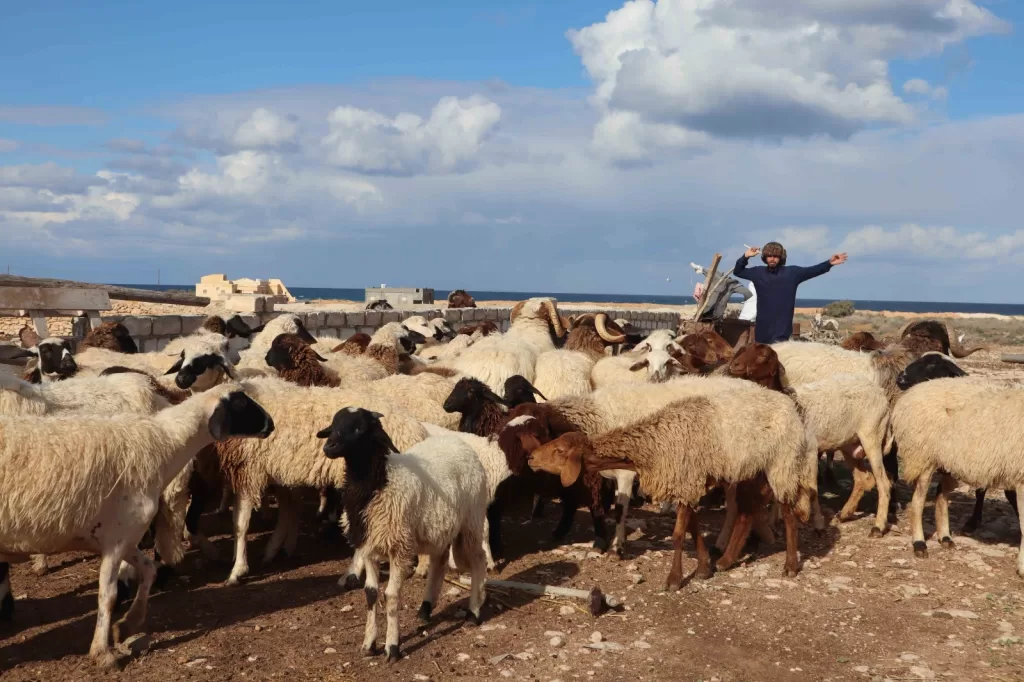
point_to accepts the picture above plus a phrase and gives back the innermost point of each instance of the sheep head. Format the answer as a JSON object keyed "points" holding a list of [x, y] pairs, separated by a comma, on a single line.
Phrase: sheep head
{"points": [[470, 394], [758, 362], [927, 367], [563, 457], [862, 341], [55, 361], [540, 308], [519, 391], [660, 366]]}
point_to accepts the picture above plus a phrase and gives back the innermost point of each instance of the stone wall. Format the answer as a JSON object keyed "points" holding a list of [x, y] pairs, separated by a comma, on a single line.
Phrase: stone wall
{"points": [[153, 332]]}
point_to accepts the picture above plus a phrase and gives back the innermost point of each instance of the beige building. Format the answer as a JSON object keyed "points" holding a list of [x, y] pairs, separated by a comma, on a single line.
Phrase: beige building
{"points": [[219, 288]]}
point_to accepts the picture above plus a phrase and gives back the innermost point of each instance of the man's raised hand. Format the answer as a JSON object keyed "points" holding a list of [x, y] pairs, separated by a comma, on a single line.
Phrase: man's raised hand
{"points": [[751, 252], [837, 259]]}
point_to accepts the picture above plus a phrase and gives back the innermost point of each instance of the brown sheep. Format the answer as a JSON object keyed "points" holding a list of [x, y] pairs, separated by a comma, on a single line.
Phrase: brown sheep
{"points": [[485, 328], [862, 341], [353, 345], [297, 362], [931, 335], [112, 336], [460, 299], [759, 363]]}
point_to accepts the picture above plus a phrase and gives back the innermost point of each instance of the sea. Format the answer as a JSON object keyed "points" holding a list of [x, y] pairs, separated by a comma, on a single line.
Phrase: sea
{"points": [[310, 293]]}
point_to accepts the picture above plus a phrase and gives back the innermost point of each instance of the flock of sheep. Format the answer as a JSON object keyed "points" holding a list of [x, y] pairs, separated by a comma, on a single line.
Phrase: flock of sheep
{"points": [[419, 436]]}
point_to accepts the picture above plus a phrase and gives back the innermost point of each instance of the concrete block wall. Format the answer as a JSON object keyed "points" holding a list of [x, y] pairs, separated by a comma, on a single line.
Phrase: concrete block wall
{"points": [[154, 332]]}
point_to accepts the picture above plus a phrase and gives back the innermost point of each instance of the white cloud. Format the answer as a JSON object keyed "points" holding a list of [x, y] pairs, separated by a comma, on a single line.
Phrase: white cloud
{"points": [[919, 86], [932, 242], [750, 69], [448, 141], [264, 129]]}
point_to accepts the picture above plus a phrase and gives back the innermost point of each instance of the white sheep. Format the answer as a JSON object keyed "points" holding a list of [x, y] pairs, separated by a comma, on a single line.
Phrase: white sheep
{"points": [[806, 362], [493, 359], [252, 360], [291, 457], [423, 500], [693, 443], [106, 489], [450, 350], [968, 429], [380, 359], [658, 366]]}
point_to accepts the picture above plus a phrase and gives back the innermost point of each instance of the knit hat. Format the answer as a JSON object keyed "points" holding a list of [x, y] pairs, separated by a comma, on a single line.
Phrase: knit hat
{"points": [[773, 249]]}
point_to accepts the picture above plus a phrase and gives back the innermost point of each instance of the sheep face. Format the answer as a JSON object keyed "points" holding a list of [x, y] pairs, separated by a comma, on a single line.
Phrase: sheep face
{"points": [[55, 359], [519, 391], [758, 362], [563, 457], [239, 416], [285, 349], [469, 393], [660, 366], [926, 368], [709, 346], [199, 372], [440, 325], [862, 341], [521, 436], [353, 433]]}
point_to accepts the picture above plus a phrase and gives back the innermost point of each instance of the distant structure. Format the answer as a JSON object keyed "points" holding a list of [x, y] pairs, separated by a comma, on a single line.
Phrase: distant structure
{"points": [[399, 297], [245, 294]]}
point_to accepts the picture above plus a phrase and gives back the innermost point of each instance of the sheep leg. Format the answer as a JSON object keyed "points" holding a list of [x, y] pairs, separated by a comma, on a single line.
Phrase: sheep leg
{"points": [[817, 518], [435, 576], [623, 493], [597, 515], [350, 581], [200, 492], [762, 525], [748, 496], [370, 590], [243, 513], [136, 616], [1019, 492], [422, 565], [730, 519], [946, 485], [391, 606], [225, 499], [538, 507], [863, 481], [39, 564], [704, 570], [6, 597], [830, 475], [792, 566], [975, 520], [917, 512], [873, 453], [675, 575], [569, 506], [494, 513], [285, 513], [1011, 498], [100, 651]]}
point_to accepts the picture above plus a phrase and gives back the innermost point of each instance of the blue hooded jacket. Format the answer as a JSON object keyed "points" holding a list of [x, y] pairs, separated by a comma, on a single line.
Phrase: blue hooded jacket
{"points": [[776, 296]]}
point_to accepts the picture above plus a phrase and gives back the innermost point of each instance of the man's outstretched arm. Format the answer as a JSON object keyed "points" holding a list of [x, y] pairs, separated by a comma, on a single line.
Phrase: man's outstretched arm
{"points": [[804, 274], [741, 270]]}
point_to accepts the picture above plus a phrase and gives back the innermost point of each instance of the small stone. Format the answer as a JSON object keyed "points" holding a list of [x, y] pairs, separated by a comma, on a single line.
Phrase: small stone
{"points": [[773, 583], [460, 613], [420, 677], [726, 602], [495, 660], [556, 642], [253, 659], [194, 662], [909, 658], [596, 637], [641, 644], [861, 669], [453, 592], [593, 555], [258, 628], [636, 578], [566, 611], [136, 645], [951, 613], [346, 608], [462, 658], [554, 633], [922, 672], [850, 564], [330, 650], [690, 631], [506, 673], [772, 597]]}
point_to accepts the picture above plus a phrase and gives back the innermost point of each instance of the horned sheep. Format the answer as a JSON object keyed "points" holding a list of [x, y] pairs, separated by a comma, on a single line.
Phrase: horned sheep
{"points": [[567, 371]]}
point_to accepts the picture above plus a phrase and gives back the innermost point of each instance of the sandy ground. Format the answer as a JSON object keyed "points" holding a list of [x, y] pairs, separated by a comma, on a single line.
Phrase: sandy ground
{"points": [[860, 609]]}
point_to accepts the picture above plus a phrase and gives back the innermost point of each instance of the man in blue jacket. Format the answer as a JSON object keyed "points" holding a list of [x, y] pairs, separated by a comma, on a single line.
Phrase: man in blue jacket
{"points": [[776, 285]]}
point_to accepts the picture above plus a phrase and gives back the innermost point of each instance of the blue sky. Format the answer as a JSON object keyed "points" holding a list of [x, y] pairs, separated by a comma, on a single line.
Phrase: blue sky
{"points": [[572, 146]]}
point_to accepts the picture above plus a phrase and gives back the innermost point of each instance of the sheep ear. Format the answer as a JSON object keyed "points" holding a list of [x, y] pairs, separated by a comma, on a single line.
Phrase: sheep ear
{"points": [[571, 469], [28, 337], [176, 367], [219, 422], [640, 365], [11, 353], [323, 433], [317, 356], [226, 366], [304, 334], [491, 395], [538, 393], [375, 415], [257, 330]]}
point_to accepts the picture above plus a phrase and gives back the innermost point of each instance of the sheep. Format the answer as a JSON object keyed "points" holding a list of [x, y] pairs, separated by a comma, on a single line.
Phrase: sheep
{"points": [[862, 341], [936, 366], [448, 351], [298, 363], [808, 361], [105, 492], [253, 358], [659, 339], [460, 299], [110, 335], [696, 443], [634, 335], [932, 335], [659, 364], [290, 458], [398, 503], [53, 358], [967, 429], [567, 371], [535, 324], [380, 359], [484, 328], [353, 345], [434, 330], [121, 393], [519, 391]]}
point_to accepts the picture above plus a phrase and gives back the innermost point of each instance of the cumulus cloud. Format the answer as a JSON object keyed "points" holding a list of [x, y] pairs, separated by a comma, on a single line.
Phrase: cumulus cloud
{"points": [[919, 86], [264, 129], [748, 69], [934, 242], [448, 141]]}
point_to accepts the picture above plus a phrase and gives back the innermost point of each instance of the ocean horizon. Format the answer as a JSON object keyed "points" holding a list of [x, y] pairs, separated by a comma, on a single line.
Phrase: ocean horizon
{"points": [[440, 295]]}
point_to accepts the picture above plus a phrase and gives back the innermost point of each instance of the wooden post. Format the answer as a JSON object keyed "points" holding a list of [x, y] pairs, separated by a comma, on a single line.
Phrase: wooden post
{"points": [[796, 330], [709, 282]]}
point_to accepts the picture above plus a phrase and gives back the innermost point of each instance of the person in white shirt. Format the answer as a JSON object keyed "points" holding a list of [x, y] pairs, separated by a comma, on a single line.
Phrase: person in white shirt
{"points": [[749, 310]]}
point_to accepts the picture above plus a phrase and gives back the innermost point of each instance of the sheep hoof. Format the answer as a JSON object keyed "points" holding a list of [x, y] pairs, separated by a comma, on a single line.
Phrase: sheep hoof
{"points": [[394, 655], [875, 532], [704, 572], [947, 543], [969, 527], [715, 553], [369, 651], [473, 618], [350, 582], [7, 608], [920, 549], [790, 572], [601, 544], [424, 613], [106, 660]]}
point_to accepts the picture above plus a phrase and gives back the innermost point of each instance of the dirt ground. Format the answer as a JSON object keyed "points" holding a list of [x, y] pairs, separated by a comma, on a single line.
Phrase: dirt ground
{"points": [[860, 609]]}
